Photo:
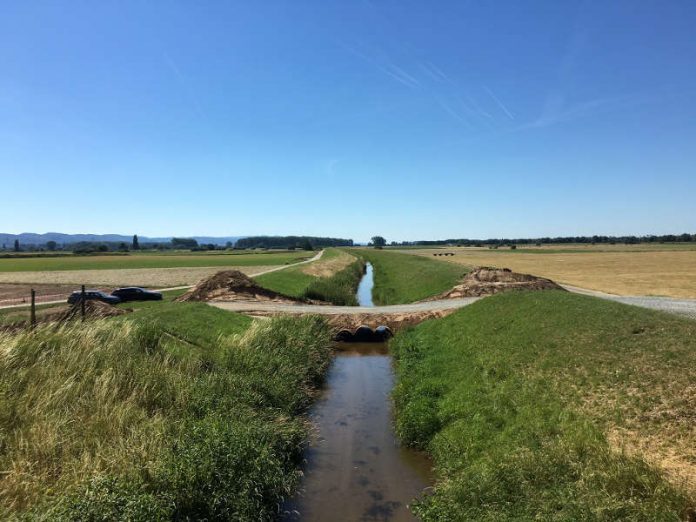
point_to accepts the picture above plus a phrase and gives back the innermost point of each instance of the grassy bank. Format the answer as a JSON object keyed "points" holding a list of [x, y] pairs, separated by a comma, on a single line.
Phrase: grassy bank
{"points": [[551, 406], [183, 413], [340, 288], [404, 278], [334, 278]]}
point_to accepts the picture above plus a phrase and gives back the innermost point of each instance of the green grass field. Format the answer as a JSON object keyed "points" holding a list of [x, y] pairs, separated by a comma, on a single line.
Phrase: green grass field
{"points": [[521, 398], [404, 278], [151, 260], [175, 412]]}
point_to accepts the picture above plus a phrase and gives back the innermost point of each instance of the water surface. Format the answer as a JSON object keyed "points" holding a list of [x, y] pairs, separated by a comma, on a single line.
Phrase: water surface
{"points": [[355, 469], [364, 294]]}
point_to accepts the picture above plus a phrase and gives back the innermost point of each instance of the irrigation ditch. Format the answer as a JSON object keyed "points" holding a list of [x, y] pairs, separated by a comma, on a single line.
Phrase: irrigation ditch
{"points": [[355, 468]]}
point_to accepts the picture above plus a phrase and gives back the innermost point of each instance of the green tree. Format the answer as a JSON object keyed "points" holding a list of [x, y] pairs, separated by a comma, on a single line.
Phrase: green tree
{"points": [[51, 245], [16, 245], [135, 245], [184, 242], [378, 241], [307, 245]]}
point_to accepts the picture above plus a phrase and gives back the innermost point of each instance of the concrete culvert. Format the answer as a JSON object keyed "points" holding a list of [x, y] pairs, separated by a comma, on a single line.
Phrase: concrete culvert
{"points": [[383, 333], [344, 336], [364, 334]]}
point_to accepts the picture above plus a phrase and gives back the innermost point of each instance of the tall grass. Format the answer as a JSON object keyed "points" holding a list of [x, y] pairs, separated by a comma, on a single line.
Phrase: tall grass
{"points": [[118, 420], [514, 397], [340, 288]]}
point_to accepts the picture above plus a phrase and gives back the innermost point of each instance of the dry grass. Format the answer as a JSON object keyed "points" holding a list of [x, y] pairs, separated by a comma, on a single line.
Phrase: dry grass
{"points": [[328, 267], [149, 277], [669, 272]]}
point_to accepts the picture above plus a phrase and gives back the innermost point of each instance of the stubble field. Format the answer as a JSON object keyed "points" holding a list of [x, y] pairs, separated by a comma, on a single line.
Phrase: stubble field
{"points": [[623, 270]]}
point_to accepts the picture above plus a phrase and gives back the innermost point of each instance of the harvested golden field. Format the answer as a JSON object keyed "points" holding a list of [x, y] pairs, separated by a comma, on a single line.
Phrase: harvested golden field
{"points": [[636, 271], [149, 277]]}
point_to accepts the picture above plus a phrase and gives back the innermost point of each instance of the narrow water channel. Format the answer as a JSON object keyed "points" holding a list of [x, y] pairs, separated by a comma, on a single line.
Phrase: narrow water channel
{"points": [[364, 295], [355, 468]]}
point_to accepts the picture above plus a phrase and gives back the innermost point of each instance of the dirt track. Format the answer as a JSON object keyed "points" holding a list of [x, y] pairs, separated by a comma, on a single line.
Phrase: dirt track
{"points": [[430, 306]]}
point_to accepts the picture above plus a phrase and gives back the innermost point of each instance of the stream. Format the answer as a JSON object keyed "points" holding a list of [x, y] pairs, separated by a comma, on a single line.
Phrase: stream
{"points": [[355, 468]]}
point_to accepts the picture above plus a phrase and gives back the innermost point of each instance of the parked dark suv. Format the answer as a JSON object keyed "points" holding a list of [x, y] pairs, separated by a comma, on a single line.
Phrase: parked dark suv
{"points": [[134, 293], [93, 295]]}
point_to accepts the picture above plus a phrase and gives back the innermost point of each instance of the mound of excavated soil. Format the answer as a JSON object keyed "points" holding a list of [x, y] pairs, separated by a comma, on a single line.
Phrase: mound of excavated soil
{"points": [[487, 281], [230, 285], [93, 310]]}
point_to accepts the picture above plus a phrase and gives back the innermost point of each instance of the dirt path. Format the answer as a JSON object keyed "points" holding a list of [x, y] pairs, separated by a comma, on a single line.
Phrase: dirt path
{"points": [[430, 306]]}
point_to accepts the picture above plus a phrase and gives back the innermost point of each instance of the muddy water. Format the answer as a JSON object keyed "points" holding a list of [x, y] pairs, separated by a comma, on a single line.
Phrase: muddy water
{"points": [[364, 294], [355, 469]]}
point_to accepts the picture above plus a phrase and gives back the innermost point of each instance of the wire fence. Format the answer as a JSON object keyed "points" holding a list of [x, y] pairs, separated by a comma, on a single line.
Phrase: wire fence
{"points": [[21, 311]]}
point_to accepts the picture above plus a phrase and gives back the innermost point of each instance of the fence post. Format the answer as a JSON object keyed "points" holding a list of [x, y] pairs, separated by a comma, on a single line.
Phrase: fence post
{"points": [[82, 303], [32, 317]]}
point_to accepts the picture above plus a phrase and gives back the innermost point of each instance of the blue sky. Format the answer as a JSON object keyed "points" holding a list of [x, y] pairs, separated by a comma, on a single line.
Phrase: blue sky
{"points": [[413, 120]]}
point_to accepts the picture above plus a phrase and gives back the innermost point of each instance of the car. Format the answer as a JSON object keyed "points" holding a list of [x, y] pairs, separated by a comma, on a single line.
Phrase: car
{"points": [[94, 295], [134, 293]]}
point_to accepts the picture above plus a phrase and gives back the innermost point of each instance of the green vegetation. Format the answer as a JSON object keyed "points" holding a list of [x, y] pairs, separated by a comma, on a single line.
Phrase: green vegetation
{"points": [[175, 412], [338, 288], [291, 242], [514, 397], [149, 260], [290, 281], [403, 278]]}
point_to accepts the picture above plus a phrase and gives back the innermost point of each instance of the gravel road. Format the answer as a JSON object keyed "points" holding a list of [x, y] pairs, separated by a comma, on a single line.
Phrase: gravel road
{"points": [[430, 306], [683, 307]]}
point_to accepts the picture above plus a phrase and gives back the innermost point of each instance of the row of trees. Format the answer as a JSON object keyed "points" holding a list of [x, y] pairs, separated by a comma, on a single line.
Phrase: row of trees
{"points": [[291, 242], [667, 238]]}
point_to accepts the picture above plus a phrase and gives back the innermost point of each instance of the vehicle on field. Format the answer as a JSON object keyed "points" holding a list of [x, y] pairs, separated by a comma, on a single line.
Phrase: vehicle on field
{"points": [[94, 295], [134, 293]]}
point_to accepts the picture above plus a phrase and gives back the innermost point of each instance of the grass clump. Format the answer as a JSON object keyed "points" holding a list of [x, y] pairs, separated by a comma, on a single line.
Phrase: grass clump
{"points": [[514, 397], [118, 420], [404, 278]]}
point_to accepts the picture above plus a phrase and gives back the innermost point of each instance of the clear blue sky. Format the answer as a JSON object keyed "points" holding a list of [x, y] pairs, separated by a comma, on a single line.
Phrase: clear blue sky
{"points": [[409, 119]]}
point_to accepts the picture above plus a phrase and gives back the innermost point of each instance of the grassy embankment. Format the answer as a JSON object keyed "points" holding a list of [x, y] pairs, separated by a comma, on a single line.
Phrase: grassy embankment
{"points": [[549, 406], [334, 278], [404, 278], [151, 260], [177, 411]]}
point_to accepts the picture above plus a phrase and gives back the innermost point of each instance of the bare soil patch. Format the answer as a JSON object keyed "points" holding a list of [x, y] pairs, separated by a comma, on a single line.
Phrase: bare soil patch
{"points": [[232, 285], [93, 310], [488, 281]]}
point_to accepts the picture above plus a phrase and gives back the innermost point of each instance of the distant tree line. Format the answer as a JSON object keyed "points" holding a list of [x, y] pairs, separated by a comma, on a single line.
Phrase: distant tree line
{"points": [[96, 247], [291, 242], [611, 240]]}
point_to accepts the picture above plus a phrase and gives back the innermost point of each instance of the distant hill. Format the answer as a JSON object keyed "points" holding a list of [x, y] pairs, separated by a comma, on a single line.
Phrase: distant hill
{"points": [[28, 238]]}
